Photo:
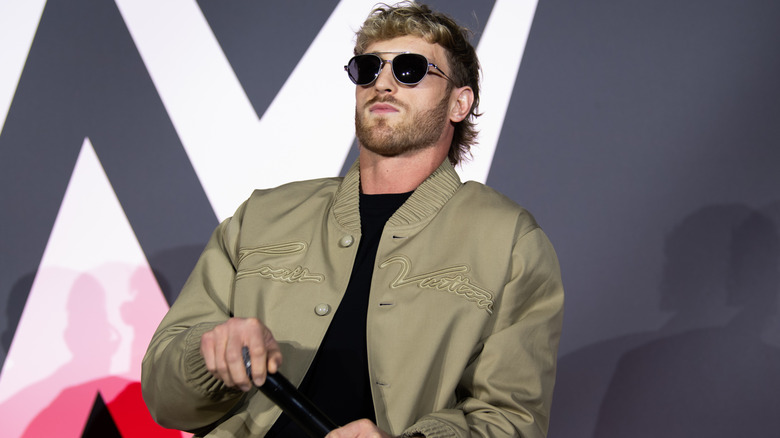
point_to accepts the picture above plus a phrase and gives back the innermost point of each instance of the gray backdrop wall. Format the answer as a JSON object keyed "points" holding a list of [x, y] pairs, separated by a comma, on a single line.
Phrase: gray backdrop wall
{"points": [[643, 135]]}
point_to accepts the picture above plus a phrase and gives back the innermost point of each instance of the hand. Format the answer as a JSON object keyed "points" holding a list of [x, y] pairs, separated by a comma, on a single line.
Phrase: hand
{"points": [[221, 349], [358, 429]]}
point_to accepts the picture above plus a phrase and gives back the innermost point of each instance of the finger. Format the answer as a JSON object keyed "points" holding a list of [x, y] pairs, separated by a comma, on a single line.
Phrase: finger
{"points": [[273, 353], [235, 363], [220, 355], [337, 433], [363, 428], [258, 355]]}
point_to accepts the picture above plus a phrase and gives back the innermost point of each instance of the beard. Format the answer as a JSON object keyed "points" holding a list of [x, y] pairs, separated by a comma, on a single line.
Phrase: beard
{"points": [[417, 131]]}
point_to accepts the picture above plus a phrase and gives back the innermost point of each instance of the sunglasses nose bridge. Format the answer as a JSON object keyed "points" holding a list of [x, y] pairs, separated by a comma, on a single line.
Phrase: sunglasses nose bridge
{"points": [[382, 64]]}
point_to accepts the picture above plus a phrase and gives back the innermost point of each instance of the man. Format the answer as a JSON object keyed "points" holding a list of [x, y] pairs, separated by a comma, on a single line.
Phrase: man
{"points": [[400, 300]]}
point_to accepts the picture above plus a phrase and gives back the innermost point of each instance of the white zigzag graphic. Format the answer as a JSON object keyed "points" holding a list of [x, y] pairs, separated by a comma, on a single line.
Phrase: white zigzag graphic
{"points": [[231, 150], [308, 129]]}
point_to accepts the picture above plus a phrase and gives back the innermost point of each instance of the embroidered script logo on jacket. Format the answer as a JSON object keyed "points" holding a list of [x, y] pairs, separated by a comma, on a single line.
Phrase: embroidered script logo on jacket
{"points": [[447, 279], [298, 274]]}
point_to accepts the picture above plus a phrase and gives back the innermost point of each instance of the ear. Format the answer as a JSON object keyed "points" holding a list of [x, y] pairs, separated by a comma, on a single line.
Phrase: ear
{"points": [[461, 101]]}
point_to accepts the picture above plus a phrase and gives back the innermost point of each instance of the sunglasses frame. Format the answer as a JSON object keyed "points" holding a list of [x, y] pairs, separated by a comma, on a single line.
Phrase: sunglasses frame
{"points": [[382, 63]]}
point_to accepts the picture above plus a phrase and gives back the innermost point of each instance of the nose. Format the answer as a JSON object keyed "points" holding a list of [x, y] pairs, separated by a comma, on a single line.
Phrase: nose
{"points": [[385, 81]]}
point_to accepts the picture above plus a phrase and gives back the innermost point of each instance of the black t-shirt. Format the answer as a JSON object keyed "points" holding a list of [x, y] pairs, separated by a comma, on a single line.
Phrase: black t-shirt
{"points": [[337, 381]]}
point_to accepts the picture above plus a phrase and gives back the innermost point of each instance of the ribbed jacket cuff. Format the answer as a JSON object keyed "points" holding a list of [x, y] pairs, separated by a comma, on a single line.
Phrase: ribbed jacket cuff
{"points": [[195, 367], [430, 429]]}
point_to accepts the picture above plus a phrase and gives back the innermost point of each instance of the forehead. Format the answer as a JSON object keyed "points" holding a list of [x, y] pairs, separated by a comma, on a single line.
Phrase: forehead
{"points": [[434, 52]]}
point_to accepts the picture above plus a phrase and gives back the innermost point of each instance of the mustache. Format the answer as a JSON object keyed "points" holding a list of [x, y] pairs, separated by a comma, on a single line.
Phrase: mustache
{"points": [[385, 99]]}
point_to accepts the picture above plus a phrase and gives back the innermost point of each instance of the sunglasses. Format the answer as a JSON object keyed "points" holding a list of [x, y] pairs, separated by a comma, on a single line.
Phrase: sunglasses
{"points": [[408, 68]]}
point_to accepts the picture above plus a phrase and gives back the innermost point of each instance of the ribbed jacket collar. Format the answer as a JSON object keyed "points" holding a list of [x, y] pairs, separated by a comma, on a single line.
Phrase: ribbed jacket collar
{"points": [[426, 200]]}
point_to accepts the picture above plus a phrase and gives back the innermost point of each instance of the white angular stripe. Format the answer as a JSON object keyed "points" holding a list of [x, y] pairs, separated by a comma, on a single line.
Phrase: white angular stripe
{"points": [[305, 133], [18, 23], [500, 51]]}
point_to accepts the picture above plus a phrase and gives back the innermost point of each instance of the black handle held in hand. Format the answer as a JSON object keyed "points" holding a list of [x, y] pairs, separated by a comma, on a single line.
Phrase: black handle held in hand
{"points": [[293, 403]]}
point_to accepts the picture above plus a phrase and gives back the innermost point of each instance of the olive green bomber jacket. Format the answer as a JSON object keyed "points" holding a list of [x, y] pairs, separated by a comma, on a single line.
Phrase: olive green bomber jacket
{"points": [[463, 321]]}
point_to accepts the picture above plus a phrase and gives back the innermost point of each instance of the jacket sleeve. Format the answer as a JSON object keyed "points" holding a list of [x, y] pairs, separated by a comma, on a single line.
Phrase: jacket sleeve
{"points": [[507, 390], [177, 388]]}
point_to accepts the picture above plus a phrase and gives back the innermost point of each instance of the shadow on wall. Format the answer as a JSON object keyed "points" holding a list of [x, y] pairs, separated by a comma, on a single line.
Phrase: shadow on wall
{"points": [[115, 401], [711, 370], [91, 341]]}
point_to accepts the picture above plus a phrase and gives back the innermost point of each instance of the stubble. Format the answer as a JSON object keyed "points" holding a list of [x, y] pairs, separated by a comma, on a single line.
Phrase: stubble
{"points": [[417, 132]]}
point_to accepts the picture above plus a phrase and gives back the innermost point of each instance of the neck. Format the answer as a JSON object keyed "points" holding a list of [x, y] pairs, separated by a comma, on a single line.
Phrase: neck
{"points": [[401, 174]]}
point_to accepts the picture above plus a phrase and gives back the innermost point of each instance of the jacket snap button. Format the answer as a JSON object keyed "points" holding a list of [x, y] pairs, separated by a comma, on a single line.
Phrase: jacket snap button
{"points": [[322, 309], [346, 241]]}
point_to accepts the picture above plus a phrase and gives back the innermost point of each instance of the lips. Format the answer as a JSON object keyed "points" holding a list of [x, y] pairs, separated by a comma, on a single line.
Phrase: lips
{"points": [[382, 108]]}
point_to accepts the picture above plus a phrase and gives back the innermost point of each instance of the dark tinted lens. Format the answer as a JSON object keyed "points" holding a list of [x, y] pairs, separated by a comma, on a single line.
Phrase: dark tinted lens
{"points": [[363, 69], [410, 68]]}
